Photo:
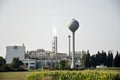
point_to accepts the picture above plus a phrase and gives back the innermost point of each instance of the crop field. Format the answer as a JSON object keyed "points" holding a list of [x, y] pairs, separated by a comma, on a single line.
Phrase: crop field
{"points": [[75, 75], [62, 75]]}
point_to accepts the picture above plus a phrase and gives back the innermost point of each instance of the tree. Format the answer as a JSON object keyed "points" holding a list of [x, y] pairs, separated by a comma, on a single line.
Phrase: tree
{"points": [[87, 60], [101, 58], [93, 61], [110, 59], [117, 60], [16, 63], [63, 64], [5, 67], [2, 61], [83, 58], [104, 58], [98, 58]]}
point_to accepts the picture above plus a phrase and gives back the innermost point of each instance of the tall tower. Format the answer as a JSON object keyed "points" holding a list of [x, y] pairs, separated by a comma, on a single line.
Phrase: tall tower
{"points": [[73, 27], [54, 45]]}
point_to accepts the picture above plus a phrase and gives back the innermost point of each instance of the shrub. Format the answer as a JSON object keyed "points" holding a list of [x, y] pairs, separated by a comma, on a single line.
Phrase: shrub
{"points": [[75, 75]]}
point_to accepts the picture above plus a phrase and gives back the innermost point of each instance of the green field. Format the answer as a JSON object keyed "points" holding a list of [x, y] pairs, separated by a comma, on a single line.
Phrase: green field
{"points": [[22, 75]]}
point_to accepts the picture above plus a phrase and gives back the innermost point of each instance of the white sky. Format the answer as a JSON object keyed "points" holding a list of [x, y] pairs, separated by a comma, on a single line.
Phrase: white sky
{"points": [[32, 21]]}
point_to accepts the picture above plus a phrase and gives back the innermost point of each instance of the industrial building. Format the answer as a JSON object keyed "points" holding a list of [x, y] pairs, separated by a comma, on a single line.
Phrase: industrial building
{"points": [[14, 51], [35, 59]]}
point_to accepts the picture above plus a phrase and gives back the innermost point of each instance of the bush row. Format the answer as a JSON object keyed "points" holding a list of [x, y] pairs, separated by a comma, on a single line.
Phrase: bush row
{"points": [[74, 75]]}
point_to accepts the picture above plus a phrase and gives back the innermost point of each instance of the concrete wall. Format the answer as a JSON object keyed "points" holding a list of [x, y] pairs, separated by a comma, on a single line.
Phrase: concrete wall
{"points": [[14, 51]]}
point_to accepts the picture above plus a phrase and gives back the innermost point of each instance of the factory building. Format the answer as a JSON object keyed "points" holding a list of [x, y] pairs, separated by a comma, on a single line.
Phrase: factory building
{"points": [[35, 59], [45, 58], [14, 51], [29, 63]]}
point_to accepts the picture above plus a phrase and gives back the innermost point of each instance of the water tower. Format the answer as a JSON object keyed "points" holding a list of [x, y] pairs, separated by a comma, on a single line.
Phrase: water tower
{"points": [[73, 27]]}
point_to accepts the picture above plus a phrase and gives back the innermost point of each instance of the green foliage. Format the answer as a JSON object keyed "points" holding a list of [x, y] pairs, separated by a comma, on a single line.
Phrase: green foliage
{"points": [[83, 58], [2, 61], [75, 75], [110, 59], [5, 67], [63, 64], [117, 60], [34, 76], [15, 66], [16, 63], [101, 58]]}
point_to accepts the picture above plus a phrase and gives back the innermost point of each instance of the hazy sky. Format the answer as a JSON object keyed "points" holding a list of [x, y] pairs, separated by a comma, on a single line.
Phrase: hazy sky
{"points": [[32, 22]]}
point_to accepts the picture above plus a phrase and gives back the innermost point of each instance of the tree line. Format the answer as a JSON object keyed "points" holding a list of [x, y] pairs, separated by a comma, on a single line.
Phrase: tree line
{"points": [[101, 58], [14, 66], [88, 61]]}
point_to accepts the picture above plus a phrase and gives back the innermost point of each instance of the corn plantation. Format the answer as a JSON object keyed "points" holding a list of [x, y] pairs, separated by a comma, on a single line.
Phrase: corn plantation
{"points": [[74, 75]]}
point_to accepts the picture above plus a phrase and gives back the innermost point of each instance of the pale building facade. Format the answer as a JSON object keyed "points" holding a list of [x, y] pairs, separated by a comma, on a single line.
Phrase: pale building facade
{"points": [[29, 63], [14, 51]]}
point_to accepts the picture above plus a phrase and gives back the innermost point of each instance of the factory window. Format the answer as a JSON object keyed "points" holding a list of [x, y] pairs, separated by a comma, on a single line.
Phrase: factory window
{"points": [[32, 63]]}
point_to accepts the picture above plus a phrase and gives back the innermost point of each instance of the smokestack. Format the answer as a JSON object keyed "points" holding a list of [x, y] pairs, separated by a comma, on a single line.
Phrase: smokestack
{"points": [[55, 39], [54, 45]]}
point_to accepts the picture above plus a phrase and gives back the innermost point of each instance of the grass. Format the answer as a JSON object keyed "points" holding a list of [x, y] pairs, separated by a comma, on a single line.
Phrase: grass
{"points": [[22, 75], [13, 75]]}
